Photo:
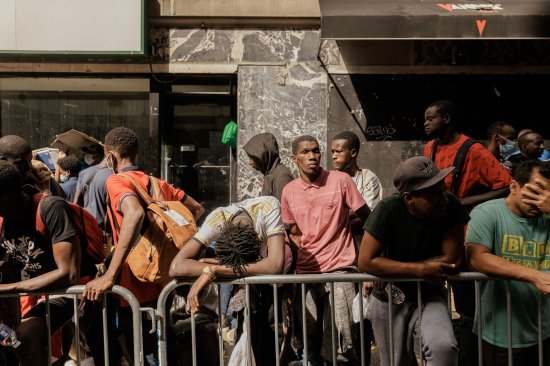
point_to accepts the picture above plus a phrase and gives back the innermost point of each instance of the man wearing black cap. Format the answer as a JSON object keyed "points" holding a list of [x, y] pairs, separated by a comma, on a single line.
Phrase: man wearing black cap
{"points": [[416, 233]]}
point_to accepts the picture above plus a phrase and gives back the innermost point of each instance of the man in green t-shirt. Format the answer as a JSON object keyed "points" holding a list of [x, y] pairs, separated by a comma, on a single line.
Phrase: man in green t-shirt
{"points": [[510, 238], [417, 233]]}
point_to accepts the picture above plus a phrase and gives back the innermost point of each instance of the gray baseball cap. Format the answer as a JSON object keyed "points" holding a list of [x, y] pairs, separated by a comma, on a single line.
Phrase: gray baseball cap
{"points": [[417, 173]]}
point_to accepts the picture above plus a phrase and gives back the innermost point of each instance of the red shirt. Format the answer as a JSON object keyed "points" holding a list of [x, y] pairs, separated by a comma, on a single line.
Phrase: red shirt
{"points": [[119, 188], [481, 172]]}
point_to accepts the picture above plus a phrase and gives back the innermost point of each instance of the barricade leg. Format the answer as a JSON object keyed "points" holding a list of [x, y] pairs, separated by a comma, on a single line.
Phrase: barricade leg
{"points": [[479, 323], [276, 323], [365, 329], [509, 322]]}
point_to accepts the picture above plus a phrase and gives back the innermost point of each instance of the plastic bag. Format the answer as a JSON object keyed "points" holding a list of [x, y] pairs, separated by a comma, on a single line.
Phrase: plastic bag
{"points": [[229, 136], [239, 356], [356, 307]]}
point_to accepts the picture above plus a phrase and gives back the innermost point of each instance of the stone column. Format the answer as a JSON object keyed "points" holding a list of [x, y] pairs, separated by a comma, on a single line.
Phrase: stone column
{"points": [[287, 101]]}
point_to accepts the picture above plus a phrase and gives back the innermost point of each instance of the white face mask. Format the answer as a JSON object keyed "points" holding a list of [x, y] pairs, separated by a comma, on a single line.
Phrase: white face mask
{"points": [[88, 159], [63, 178]]}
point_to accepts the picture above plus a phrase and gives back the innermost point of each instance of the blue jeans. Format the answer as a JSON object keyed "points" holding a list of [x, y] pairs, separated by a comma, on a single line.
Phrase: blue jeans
{"points": [[225, 296]]}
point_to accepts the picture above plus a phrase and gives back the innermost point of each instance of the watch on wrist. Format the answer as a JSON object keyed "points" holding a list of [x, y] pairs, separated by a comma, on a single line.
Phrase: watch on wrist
{"points": [[208, 271]]}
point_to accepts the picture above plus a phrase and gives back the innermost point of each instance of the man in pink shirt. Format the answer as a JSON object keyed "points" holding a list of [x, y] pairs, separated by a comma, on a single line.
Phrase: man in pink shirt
{"points": [[315, 209]]}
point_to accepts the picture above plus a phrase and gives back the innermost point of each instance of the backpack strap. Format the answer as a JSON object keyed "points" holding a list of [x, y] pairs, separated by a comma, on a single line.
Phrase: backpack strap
{"points": [[140, 190], [115, 228], [458, 163], [434, 149], [40, 227], [158, 195]]}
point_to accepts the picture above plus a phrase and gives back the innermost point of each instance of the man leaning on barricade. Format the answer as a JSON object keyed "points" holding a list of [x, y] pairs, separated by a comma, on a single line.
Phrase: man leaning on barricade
{"points": [[35, 263], [416, 233], [315, 208], [248, 239], [126, 215], [509, 238]]}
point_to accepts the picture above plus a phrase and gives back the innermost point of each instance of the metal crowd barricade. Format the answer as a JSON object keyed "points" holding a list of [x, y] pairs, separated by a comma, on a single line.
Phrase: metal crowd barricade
{"points": [[330, 279], [74, 291]]}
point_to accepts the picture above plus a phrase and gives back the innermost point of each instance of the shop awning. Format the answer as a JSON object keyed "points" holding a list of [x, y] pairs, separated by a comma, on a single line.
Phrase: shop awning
{"points": [[429, 19]]}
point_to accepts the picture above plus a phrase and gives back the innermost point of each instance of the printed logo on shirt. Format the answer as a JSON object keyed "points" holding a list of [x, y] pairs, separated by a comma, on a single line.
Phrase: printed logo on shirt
{"points": [[23, 251], [526, 253]]}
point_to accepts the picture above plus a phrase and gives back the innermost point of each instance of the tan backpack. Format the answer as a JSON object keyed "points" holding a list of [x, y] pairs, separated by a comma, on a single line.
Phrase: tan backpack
{"points": [[167, 226]]}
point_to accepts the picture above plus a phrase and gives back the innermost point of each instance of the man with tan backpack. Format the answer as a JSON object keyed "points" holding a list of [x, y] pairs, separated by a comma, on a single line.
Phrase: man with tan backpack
{"points": [[130, 219]]}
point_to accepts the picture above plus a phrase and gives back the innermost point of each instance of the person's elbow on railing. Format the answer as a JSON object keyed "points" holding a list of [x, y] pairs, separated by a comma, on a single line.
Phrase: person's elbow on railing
{"points": [[186, 263]]}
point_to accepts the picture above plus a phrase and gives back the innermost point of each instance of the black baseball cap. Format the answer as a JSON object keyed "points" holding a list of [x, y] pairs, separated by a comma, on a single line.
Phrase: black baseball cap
{"points": [[417, 173]]}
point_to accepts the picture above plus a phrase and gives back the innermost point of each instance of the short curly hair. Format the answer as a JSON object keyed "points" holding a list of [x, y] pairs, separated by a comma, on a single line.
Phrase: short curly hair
{"points": [[11, 181], [238, 245], [299, 139], [444, 107], [14, 147], [523, 171], [124, 141], [351, 138], [71, 164]]}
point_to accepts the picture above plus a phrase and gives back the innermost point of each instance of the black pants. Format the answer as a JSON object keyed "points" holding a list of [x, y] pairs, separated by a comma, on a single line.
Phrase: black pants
{"points": [[498, 356], [207, 346], [464, 299], [262, 336], [119, 328]]}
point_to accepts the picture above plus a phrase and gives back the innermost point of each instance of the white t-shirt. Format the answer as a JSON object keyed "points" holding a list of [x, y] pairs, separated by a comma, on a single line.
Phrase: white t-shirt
{"points": [[369, 186], [265, 212]]}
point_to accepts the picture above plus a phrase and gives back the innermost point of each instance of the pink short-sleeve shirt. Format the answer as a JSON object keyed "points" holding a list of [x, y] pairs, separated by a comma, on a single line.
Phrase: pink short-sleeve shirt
{"points": [[321, 211]]}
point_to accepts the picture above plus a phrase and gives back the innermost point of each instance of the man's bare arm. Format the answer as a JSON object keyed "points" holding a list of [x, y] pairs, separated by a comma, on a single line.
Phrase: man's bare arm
{"points": [[78, 197], [196, 208], [452, 245], [480, 198], [363, 212], [67, 259], [187, 263], [133, 215], [371, 261], [482, 260], [272, 264], [294, 236]]}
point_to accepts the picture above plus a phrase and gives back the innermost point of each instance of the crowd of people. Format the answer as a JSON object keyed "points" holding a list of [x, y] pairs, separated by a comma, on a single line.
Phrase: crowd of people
{"points": [[461, 206]]}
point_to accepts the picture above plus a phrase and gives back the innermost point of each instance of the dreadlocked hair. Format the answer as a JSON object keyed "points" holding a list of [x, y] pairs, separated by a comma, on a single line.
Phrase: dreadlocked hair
{"points": [[237, 246]]}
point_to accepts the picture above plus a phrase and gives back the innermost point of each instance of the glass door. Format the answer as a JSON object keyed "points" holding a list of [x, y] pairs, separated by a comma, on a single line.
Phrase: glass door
{"points": [[194, 157]]}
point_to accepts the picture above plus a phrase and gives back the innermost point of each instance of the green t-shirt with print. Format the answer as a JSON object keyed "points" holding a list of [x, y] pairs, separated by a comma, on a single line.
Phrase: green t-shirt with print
{"points": [[524, 241]]}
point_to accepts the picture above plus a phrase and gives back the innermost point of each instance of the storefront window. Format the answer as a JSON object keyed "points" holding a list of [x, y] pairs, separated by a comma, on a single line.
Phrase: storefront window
{"points": [[38, 116]]}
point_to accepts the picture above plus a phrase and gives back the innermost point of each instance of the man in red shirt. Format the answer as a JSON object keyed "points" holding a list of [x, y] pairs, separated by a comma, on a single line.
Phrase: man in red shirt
{"points": [[121, 149], [482, 177]]}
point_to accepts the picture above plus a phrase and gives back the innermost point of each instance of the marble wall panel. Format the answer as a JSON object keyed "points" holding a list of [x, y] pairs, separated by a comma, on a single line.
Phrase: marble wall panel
{"points": [[236, 46], [288, 102]]}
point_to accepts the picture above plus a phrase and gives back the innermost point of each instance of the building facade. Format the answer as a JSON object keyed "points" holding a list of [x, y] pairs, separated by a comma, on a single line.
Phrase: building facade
{"points": [[285, 67]]}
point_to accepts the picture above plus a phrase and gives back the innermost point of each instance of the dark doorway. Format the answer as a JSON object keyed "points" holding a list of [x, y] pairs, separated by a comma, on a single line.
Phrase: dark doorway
{"points": [[194, 113], [394, 105]]}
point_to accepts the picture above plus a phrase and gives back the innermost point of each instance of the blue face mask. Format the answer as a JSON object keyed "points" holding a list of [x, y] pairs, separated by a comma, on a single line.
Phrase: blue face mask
{"points": [[507, 147], [63, 178]]}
